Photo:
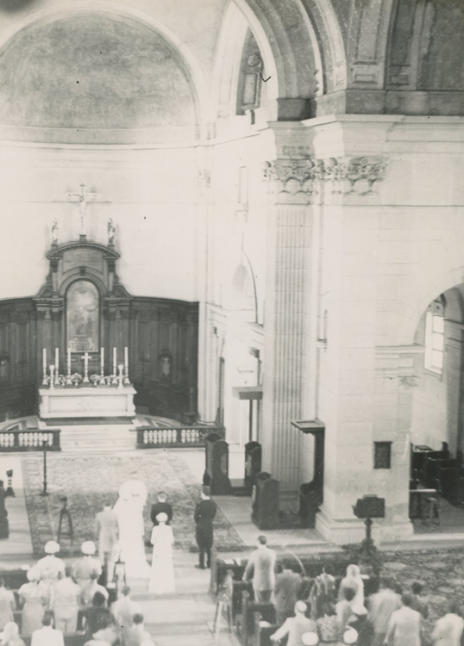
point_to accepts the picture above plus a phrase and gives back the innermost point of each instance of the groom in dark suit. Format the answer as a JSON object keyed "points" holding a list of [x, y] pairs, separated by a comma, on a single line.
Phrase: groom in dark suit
{"points": [[205, 512], [162, 506]]}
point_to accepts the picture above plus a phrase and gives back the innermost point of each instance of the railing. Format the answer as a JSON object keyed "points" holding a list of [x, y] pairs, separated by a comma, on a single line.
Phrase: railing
{"points": [[29, 440], [150, 437]]}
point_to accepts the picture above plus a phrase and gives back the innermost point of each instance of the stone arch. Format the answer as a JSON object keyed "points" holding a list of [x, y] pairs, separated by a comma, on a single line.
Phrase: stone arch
{"points": [[301, 48], [180, 52], [426, 292]]}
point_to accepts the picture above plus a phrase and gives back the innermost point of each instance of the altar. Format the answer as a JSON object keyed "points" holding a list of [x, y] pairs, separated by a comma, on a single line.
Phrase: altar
{"points": [[86, 402]]}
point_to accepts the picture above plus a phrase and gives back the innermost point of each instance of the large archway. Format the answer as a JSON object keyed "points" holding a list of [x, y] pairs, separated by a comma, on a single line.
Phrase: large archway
{"points": [[436, 431]]}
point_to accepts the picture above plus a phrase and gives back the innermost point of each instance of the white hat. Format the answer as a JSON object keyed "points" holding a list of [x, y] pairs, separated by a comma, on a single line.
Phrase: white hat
{"points": [[161, 517], [33, 574], [88, 548], [350, 636], [309, 639], [51, 547]]}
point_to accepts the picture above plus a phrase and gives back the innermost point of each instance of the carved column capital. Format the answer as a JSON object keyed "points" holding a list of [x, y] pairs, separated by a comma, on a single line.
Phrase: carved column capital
{"points": [[292, 178], [351, 174]]}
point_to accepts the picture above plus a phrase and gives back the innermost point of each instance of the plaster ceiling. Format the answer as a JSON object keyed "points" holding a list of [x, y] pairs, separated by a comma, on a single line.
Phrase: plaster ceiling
{"points": [[93, 71]]}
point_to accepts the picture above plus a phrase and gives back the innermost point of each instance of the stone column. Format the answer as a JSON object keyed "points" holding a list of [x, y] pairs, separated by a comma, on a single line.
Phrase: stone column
{"points": [[206, 336], [288, 247]]}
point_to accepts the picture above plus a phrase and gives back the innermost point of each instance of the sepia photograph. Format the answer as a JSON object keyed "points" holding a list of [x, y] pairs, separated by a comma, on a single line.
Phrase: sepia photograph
{"points": [[232, 322]]}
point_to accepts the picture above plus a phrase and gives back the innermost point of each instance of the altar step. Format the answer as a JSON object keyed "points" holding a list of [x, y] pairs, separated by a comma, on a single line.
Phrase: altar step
{"points": [[97, 439]]}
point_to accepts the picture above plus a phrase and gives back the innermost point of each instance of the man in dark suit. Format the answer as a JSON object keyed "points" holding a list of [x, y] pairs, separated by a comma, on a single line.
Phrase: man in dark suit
{"points": [[205, 512], [162, 506]]}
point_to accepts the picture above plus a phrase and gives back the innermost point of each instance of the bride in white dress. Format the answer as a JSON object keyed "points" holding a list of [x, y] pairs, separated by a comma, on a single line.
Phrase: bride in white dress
{"points": [[162, 568], [129, 512]]}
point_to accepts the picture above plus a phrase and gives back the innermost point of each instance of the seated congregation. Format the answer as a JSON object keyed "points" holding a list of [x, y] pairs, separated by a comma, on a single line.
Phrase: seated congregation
{"points": [[70, 604], [270, 601]]}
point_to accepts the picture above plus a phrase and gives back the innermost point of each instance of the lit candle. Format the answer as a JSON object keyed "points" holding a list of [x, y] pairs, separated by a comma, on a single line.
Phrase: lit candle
{"points": [[57, 360], [44, 366], [69, 362], [126, 361], [102, 361], [115, 361]]}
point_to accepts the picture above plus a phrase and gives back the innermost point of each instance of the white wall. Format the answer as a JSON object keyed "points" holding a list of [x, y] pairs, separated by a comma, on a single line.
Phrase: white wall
{"points": [[149, 194]]}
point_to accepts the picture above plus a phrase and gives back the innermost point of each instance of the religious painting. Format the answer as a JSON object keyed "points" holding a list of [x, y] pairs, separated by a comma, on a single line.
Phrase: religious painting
{"points": [[82, 317]]}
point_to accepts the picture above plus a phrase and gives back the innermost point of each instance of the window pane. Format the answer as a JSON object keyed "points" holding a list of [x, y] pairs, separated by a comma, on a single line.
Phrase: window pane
{"points": [[437, 359], [438, 324], [438, 341]]}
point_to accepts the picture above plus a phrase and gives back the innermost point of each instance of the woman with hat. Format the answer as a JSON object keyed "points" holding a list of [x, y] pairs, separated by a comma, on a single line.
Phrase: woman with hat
{"points": [[162, 568], [50, 567], [88, 563], [35, 598]]}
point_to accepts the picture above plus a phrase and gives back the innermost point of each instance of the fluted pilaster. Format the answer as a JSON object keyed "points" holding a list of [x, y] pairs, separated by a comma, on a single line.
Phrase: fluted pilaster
{"points": [[286, 291]]}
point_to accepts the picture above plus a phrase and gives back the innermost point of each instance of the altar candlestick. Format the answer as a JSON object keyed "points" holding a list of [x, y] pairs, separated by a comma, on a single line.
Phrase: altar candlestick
{"points": [[102, 361], [52, 370], [126, 361], [69, 362], [44, 366], [115, 361], [121, 368], [57, 360], [86, 368]]}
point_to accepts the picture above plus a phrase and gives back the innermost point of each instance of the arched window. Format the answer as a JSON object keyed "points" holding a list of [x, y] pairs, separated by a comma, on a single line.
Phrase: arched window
{"points": [[435, 336]]}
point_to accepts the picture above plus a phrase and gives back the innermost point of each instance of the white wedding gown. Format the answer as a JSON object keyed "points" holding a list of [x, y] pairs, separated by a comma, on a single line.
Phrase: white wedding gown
{"points": [[162, 567], [131, 540]]}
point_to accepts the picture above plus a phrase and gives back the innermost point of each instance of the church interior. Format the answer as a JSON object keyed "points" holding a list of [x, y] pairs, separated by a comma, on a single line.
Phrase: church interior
{"points": [[234, 224]]}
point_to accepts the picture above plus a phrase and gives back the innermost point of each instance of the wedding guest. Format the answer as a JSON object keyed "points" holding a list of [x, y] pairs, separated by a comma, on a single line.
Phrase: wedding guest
{"points": [[47, 635], [295, 627], [84, 567], [11, 635], [123, 610], [34, 597], [287, 586], [162, 567], [106, 632], [327, 625], [107, 533], [88, 592], [65, 605], [161, 506], [95, 614], [344, 611], [404, 625], [418, 601], [50, 566], [261, 570], [448, 629], [354, 580], [205, 511], [7, 604], [137, 635], [382, 604]]}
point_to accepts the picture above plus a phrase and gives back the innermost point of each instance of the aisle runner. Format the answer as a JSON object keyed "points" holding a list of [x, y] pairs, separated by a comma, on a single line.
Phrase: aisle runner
{"points": [[91, 481]]}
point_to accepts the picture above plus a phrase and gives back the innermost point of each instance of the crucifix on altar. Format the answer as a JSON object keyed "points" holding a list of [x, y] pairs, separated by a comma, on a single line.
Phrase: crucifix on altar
{"points": [[83, 198]]}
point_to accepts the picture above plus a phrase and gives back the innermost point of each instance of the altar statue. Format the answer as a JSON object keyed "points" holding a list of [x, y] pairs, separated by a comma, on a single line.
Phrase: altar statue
{"points": [[129, 512]]}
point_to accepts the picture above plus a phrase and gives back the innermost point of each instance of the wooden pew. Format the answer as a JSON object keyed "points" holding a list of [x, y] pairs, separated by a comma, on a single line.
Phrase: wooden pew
{"points": [[262, 633], [246, 620]]}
